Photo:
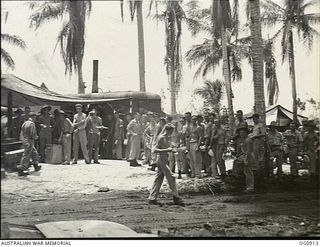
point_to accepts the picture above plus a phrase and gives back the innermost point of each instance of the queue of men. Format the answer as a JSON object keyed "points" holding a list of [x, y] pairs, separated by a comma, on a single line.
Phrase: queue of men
{"points": [[194, 145]]}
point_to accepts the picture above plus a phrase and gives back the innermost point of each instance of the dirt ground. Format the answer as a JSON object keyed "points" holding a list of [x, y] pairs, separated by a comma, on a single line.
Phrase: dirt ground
{"points": [[58, 192]]}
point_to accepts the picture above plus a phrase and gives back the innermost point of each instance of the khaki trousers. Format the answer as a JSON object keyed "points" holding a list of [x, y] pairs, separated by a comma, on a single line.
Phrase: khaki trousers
{"points": [[66, 147], [30, 152], [163, 171], [135, 147], [45, 137], [93, 144], [195, 159], [80, 137]]}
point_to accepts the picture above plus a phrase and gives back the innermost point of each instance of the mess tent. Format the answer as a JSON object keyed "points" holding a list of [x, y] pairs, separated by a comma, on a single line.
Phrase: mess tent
{"points": [[277, 113], [18, 93]]}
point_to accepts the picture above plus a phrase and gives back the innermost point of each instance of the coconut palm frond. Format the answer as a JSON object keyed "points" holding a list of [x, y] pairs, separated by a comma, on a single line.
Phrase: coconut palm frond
{"points": [[13, 40], [7, 59], [211, 93], [46, 12]]}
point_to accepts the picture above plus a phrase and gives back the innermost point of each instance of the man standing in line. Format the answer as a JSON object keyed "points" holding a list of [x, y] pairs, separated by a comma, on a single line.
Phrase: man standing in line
{"points": [[258, 137], [29, 134], [65, 137], [218, 146], [311, 143], [239, 122], [274, 147], [176, 143], [149, 135], [135, 130], [118, 135], [27, 111], [57, 123], [80, 135], [207, 134], [162, 149], [45, 123], [294, 143], [194, 141], [94, 126], [17, 122], [128, 136]]}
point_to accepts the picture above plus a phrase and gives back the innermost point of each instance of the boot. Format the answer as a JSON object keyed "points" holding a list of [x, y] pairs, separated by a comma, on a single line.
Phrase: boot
{"points": [[36, 167], [132, 163], [136, 163], [179, 176], [178, 201], [152, 168]]}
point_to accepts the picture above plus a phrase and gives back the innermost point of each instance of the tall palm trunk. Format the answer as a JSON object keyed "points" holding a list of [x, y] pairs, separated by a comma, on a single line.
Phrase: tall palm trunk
{"points": [[257, 59], [293, 77], [172, 85], [141, 47], [81, 89], [226, 75]]}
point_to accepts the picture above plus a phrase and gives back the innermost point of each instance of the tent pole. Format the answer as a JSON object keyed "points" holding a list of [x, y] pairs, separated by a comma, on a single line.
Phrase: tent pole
{"points": [[9, 114]]}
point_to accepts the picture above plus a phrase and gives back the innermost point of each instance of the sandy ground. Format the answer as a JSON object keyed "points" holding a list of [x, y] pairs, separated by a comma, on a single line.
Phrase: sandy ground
{"points": [[60, 192]]}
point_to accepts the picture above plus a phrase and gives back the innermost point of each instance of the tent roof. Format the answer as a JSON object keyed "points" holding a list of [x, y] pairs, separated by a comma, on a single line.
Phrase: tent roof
{"points": [[25, 93], [275, 113]]}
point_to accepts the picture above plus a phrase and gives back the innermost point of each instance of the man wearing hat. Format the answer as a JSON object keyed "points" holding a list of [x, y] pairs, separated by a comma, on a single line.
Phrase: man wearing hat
{"points": [[65, 137], [244, 161], [29, 135], [258, 137], [17, 122], [294, 141], [45, 124], [162, 149], [94, 126], [80, 135], [118, 135], [134, 128], [275, 147], [311, 143]]}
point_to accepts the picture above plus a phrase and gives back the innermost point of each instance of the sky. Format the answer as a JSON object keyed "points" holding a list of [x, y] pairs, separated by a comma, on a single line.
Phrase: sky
{"points": [[114, 44]]}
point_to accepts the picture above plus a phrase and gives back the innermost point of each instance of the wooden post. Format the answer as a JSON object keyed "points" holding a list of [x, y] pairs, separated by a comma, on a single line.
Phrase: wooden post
{"points": [[95, 76], [10, 122]]}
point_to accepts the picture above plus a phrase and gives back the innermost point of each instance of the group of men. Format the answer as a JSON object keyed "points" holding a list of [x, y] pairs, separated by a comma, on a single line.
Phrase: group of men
{"points": [[84, 129]]}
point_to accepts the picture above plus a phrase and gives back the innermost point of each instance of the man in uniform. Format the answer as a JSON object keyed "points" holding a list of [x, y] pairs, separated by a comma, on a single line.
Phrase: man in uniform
{"points": [[80, 135], [17, 122], [162, 149], [218, 146], [294, 146], [176, 143], [207, 134], [127, 134], [27, 111], [118, 135], [194, 142], [311, 143], [149, 135], [29, 134], [94, 126], [135, 130], [65, 137], [45, 123], [275, 147], [258, 136]]}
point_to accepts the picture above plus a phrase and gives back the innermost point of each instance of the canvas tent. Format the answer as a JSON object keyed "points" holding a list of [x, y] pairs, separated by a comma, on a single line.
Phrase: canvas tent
{"points": [[277, 113]]}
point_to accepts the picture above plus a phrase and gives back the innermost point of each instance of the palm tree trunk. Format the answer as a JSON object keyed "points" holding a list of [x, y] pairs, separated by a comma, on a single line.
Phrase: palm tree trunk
{"points": [[257, 59], [141, 47], [80, 79], [293, 78], [172, 85], [226, 75]]}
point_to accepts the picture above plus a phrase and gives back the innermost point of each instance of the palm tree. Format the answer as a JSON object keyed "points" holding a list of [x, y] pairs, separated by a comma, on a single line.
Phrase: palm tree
{"points": [[257, 59], [71, 36], [292, 17], [211, 93], [13, 40], [136, 7]]}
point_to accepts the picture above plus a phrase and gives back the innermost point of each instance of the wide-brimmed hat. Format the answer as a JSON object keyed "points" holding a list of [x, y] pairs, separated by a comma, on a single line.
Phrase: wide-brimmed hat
{"points": [[19, 110], [169, 126], [93, 111], [149, 113], [32, 114], [61, 112], [78, 105], [273, 124], [46, 107]]}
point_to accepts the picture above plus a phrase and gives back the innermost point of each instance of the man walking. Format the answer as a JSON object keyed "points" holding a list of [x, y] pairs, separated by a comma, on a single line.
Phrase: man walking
{"points": [[29, 135], [65, 137], [274, 147], [162, 149], [80, 135], [135, 130], [45, 123], [118, 135]]}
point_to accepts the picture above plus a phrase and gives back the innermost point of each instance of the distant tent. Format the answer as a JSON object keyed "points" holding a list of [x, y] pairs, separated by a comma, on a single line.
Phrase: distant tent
{"points": [[43, 86], [277, 113]]}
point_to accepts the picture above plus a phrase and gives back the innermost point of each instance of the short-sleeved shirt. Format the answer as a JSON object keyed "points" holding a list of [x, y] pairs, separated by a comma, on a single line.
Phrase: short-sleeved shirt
{"points": [[274, 139], [28, 131], [134, 127], [293, 139], [119, 129], [78, 118], [66, 126], [93, 123]]}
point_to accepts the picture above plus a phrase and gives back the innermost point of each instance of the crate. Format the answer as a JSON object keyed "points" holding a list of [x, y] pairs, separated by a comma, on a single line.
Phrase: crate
{"points": [[11, 159], [53, 154]]}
